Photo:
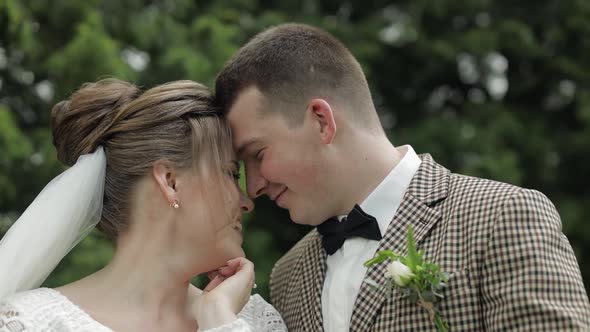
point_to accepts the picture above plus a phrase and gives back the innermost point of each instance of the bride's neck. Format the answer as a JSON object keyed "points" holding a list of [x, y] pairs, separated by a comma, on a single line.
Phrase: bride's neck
{"points": [[149, 267], [147, 277]]}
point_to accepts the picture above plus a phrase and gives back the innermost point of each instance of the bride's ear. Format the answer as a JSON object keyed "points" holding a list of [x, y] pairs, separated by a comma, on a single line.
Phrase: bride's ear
{"points": [[165, 175]]}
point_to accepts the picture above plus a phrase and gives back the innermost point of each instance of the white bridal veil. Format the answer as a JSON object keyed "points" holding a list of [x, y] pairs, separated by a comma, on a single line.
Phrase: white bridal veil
{"points": [[65, 211]]}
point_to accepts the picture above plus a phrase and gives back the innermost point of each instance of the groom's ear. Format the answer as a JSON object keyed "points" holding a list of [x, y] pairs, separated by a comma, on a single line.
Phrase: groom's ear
{"points": [[323, 119], [165, 175]]}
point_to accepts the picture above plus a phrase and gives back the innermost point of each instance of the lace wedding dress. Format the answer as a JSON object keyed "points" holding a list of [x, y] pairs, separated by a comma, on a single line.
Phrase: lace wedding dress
{"points": [[47, 310]]}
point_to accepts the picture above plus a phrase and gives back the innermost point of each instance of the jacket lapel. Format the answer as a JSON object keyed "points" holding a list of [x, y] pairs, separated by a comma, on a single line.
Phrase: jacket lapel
{"points": [[313, 274], [428, 186]]}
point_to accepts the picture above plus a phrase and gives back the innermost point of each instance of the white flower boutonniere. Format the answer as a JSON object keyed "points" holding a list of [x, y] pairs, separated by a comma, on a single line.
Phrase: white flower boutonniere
{"points": [[415, 278]]}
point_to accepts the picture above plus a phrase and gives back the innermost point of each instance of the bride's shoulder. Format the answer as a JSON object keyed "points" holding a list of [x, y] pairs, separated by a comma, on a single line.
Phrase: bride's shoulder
{"points": [[44, 309], [29, 310], [32, 299]]}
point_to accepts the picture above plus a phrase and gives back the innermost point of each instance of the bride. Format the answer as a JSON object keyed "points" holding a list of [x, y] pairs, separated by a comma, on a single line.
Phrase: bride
{"points": [[155, 172]]}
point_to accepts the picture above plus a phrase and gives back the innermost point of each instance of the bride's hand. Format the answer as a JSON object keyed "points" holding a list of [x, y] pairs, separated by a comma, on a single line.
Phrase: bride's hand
{"points": [[225, 296], [224, 271]]}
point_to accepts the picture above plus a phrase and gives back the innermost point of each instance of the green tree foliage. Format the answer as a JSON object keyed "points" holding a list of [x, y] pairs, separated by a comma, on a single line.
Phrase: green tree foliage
{"points": [[496, 89]]}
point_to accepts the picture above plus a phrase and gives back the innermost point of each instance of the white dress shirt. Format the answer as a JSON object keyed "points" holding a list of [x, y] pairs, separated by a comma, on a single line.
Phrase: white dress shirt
{"points": [[345, 270]]}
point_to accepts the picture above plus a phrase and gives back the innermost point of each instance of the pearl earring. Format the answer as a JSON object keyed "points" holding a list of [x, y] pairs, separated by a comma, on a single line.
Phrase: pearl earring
{"points": [[175, 205]]}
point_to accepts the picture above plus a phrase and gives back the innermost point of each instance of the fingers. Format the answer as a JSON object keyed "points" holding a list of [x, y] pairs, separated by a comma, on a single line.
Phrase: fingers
{"points": [[227, 271], [233, 290], [230, 269], [236, 262], [239, 263], [213, 283], [237, 269], [245, 269], [223, 272], [212, 274]]}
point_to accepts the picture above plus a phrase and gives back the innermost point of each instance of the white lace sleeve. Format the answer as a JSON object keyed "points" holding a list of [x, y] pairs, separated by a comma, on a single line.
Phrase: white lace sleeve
{"points": [[11, 319], [238, 325], [44, 310], [261, 316], [257, 316]]}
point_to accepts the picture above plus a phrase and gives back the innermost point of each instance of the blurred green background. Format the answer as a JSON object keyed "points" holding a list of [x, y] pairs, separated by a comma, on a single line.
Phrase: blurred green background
{"points": [[496, 89]]}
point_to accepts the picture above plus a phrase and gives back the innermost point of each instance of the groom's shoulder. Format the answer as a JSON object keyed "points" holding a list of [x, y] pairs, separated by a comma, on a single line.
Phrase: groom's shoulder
{"points": [[285, 266], [288, 268], [468, 193], [460, 183], [434, 180], [288, 260]]}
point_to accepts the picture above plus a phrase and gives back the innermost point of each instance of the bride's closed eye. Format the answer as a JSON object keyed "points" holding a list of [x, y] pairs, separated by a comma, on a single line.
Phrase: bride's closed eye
{"points": [[236, 175], [234, 171]]}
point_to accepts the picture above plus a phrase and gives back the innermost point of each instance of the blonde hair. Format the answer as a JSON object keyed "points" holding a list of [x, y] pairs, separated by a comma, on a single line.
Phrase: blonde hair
{"points": [[175, 122]]}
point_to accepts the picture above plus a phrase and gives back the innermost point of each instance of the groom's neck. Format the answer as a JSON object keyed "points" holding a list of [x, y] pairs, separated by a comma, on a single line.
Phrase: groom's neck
{"points": [[365, 160]]}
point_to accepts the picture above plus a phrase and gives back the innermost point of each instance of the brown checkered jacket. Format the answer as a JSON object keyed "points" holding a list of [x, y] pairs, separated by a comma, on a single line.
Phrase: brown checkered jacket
{"points": [[512, 268]]}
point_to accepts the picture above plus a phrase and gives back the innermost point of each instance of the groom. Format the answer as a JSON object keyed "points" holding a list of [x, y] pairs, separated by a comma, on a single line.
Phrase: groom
{"points": [[304, 124]]}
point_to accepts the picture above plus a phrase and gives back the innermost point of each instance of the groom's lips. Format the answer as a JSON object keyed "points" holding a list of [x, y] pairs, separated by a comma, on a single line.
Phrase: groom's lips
{"points": [[277, 197]]}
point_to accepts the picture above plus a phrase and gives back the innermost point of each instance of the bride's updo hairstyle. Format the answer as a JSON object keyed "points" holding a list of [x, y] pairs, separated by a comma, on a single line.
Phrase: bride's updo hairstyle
{"points": [[175, 122]]}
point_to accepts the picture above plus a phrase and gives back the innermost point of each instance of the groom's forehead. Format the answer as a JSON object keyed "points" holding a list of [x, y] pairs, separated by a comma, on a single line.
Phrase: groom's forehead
{"points": [[246, 129], [248, 122], [249, 103]]}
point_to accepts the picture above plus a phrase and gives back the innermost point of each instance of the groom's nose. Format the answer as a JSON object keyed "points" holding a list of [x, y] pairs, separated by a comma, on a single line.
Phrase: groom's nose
{"points": [[255, 184], [246, 203]]}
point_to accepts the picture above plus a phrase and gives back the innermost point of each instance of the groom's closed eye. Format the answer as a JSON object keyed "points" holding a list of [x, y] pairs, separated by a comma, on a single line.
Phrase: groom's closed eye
{"points": [[243, 149]]}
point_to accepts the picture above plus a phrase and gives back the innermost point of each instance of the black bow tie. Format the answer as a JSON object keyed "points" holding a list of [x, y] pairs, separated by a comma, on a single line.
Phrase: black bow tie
{"points": [[356, 224]]}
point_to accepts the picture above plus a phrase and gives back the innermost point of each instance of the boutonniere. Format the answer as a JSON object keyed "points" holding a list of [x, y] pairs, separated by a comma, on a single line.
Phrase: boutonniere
{"points": [[415, 278]]}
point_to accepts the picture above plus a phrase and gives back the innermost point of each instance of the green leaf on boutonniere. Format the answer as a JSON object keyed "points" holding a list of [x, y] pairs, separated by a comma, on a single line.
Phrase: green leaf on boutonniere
{"points": [[413, 258], [416, 279], [381, 256]]}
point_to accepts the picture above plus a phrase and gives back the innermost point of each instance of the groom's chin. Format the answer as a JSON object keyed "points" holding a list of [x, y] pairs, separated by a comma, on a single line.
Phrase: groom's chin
{"points": [[303, 220]]}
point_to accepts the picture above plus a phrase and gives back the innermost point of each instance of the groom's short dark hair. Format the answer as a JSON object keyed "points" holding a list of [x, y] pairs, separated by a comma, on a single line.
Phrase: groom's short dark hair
{"points": [[291, 63]]}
